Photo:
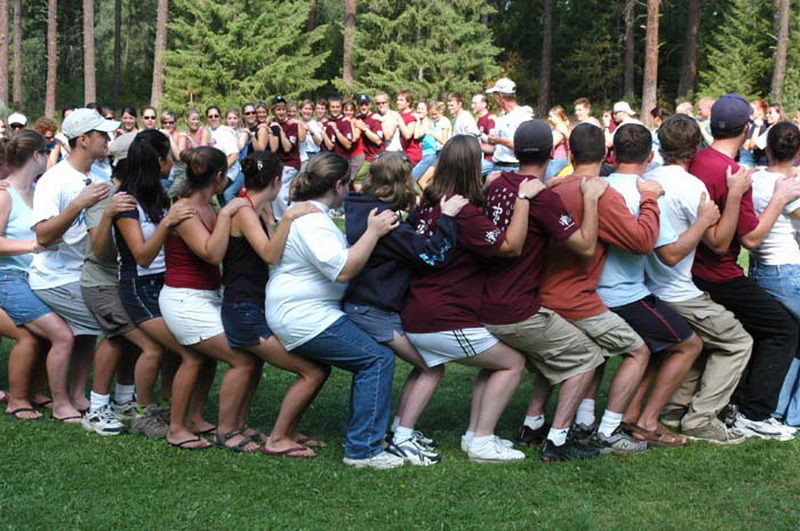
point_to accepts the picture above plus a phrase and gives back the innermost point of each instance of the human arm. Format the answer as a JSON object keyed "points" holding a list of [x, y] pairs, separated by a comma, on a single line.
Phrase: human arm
{"points": [[718, 238], [517, 229], [707, 215], [100, 234], [8, 246], [270, 250], [377, 226], [210, 247], [617, 226], [787, 189], [583, 241], [346, 142], [261, 138], [243, 138], [145, 251], [53, 228], [55, 153]]}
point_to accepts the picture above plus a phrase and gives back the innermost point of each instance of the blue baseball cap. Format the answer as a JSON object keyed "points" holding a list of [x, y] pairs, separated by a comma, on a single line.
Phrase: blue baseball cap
{"points": [[533, 137], [730, 112]]}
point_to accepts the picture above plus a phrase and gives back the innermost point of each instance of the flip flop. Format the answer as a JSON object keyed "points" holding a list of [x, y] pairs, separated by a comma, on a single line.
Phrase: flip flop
{"points": [[289, 452], [311, 442], [3, 397], [15, 413], [208, 431], [68, 420], [43, 403], [220, 441], [182, 445]]}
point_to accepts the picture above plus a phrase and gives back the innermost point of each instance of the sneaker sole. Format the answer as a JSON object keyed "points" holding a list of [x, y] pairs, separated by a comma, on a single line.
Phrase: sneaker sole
{"points": [[496, 461], [104, 433], [356, 464], [729, 442]]}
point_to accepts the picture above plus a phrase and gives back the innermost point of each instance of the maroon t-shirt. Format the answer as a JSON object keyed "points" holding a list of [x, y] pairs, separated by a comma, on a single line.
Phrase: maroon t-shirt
{"points": [[372, 150], [412, 146], [344, 127], [710, 165], [291, 157], [485, 125], [511, 287], [450, 298]]}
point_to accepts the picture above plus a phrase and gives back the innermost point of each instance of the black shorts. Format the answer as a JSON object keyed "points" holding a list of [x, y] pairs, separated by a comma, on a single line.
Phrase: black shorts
{"points": [[659, 325], [139, 296]]}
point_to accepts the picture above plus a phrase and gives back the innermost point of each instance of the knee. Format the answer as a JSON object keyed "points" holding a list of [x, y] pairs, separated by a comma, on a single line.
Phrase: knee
{"points": [[152, 354], [318, 374], [694, 345]]}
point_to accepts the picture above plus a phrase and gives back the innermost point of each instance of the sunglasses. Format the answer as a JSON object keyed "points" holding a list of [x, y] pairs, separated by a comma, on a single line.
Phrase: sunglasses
{"points": [[382, 102], [168, 122], [247, 113], [16, 126], [148, 117], [212, 116]]}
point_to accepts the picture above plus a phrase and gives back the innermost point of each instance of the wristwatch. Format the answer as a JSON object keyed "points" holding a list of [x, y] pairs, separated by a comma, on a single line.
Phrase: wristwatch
{"points": [[520, 195]]}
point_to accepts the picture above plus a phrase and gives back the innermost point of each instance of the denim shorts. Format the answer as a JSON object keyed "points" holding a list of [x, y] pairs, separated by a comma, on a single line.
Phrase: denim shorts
{"points": [[18, 300], [245, 323], [139, 296], [380, 324]]}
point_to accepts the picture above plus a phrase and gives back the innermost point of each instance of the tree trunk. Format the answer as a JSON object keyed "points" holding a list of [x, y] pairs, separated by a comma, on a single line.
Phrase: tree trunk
{"points": [[628, 86], [117, 50], [17, 81], [349, 33], [89, 86], [650, 83], [158, 57], [312, 15], [689, 60], [547, 58], [52, 59], [779, 73], [3, 54]]}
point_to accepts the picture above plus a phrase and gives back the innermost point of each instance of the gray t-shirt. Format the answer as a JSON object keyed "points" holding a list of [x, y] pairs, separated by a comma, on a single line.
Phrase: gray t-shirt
{"points": [[102, 270]]}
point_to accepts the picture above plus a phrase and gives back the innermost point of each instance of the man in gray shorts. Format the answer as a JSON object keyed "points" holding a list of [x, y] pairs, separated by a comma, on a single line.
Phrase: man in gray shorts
{"points": [[62, 194], [511, 308]]}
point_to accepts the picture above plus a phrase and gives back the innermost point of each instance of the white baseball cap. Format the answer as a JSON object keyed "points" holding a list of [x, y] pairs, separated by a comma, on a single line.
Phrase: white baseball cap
{"points": [[17, 118], [622, 106], [504, 86], [81, 121], [118, 149]]}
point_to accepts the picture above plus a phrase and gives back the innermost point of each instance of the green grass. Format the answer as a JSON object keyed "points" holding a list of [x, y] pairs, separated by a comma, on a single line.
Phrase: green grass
{"points": [[58, 476]]}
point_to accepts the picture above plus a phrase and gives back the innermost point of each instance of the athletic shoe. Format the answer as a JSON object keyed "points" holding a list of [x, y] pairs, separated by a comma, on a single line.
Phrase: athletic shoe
{"points": [[527, 436], [571, 450], [103, 422], [672, 419], [465, 442], [781, 426], [125, 411], [423, 439], [728, 415], [149, 423], [619, 443], [715, 432], [582, 432], [382, 461], [412, 451], [493, 451], [763, 429]]}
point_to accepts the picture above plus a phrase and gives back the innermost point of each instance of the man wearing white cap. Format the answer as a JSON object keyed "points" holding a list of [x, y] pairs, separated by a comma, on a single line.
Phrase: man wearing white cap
{"points": [[59, 219], [622, 115], [17, 121], [502, 138]]}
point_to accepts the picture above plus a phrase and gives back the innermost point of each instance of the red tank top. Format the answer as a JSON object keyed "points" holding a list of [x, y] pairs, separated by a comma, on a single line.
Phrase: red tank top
{"points": [[187, 270]]}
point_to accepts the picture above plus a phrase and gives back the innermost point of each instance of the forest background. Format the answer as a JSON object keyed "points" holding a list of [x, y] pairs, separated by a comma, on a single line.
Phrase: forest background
{"points": [[175, 53]]}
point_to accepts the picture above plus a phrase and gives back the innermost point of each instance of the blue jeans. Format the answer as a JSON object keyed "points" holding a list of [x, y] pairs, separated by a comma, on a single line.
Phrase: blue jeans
{"points": [[488, 166], [346, 346], [233, 187], [422, 166], [783, 283]]}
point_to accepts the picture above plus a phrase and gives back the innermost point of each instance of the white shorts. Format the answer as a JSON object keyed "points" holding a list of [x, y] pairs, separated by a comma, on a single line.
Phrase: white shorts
{"points": [[453, 345], [192, 315]]}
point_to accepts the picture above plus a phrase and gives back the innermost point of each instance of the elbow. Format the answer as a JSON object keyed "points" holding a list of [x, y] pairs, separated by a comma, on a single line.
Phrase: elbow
{"points": [[587, 252], [669, 259], [751, 243], [344, 278]]}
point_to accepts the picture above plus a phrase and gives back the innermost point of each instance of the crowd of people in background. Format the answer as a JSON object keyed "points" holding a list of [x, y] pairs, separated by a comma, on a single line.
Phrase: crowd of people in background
{"points": [[494, 240]]}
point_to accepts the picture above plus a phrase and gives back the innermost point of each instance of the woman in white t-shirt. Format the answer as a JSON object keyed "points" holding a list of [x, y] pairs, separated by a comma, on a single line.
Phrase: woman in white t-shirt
{"points": [[303, 306], [775, 264]]}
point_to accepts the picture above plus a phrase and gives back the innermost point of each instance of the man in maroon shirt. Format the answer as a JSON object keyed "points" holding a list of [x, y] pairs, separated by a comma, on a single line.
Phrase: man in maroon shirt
{"points": [[371, 133], [774, 331], [410, 127], [284, 140], [485, 119], [338, 131], [511, 309]]}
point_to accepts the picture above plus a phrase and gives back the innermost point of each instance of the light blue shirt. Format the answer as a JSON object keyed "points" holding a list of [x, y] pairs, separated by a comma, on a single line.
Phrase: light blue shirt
{"points": [[18, 227], [622, 280]]}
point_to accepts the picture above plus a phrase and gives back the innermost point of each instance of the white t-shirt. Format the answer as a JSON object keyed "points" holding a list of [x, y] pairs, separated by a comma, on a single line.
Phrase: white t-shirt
{"points": [[393, 144], [779, 246], [505, 127], [224, 139], [302, 295], [308, 145], [682, 192], [54, 191], [465, 124]]}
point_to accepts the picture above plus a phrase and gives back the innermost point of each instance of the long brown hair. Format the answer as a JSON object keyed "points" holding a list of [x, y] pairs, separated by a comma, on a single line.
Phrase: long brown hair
{"points": [[389, 179], [458, 171]]}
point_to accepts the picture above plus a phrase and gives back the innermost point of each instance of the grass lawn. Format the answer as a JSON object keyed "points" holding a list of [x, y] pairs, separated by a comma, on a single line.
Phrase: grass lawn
{"points": [[58, 476]]}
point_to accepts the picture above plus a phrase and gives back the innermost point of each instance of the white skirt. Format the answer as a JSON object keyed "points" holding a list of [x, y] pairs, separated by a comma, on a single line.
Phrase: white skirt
{"points": [[453, 345], [192, 315]]}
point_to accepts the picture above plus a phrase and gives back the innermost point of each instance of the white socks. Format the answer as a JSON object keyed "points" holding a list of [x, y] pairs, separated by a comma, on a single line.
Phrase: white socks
{"points": [[557, 436], [479, 441], [123, 393], [585, 414], [402, 434], [609, 423], [395, 423], [98, 401], [534, 422]]}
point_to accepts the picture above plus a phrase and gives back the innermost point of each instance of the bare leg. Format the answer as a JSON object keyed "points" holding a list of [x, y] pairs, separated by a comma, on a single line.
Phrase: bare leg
{"points": [[56, 331], [82, 357], [146, 367], [21, 363], [182, 388], [419, 386], [169, 365], [634, 409], [106, 361], [540, 395], [626, 380], [569, 397], [478, 388]]}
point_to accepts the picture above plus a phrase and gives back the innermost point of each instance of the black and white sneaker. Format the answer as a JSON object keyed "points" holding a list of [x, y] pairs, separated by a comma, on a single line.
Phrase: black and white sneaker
{"points": [[412, 451], [569, 451], [103, 421], [424, 440], [527, 436]]}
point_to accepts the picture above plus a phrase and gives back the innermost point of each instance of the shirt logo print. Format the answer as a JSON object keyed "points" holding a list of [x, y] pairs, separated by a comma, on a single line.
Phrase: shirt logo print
{"points": [[492, 236], [566, 221]]}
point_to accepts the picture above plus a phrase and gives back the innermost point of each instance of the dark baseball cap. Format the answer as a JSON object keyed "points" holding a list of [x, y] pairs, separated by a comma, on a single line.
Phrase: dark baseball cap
{"points": [[362, 98], [730, 112], [278, 99], [532, 138]]}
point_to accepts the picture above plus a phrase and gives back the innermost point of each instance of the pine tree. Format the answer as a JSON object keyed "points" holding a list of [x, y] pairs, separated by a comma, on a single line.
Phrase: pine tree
{"points": [[430, 48], [230, 51], [740, 59], [791, 85]]}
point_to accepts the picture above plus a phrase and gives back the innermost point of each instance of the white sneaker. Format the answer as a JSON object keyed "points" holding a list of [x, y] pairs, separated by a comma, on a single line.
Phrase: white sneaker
{"points": [[493, 451], [103, 422], [763, 429], [781, 426], [467, 441], [381, 461], [125, 411], [414, 452]]}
